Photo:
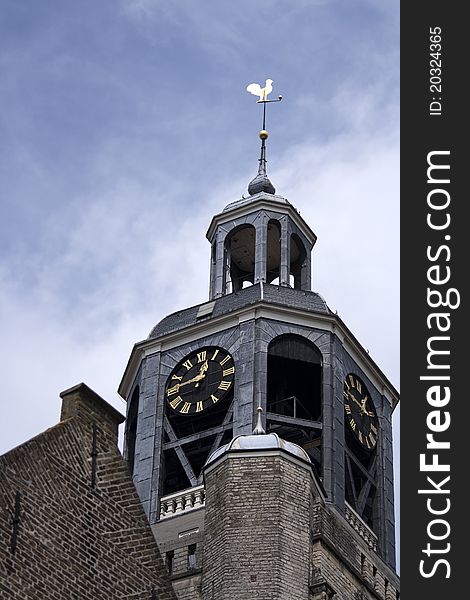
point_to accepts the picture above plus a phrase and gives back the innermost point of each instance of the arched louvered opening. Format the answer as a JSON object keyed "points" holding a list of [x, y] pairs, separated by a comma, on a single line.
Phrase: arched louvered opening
{"points": [[298, 256], [294, 392], [273, 252], [240, 258]]}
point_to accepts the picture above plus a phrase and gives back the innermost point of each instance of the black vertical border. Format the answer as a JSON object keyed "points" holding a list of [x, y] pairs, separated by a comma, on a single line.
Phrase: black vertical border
{"points": [[422, 133]]}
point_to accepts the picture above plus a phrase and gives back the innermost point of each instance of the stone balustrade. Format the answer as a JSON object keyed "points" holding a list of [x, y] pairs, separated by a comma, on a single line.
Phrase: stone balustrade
{"points": [[360, 526], [182, 502]]}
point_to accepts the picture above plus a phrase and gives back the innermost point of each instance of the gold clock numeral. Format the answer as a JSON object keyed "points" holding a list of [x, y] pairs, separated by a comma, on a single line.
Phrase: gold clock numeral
{"points": [[358, 386], [173, 390], [176, 402], [228, 371], [372, 439], [224, 385], [199, 406], [353, 424], [177, 377], [351, 379], [185, 408], [201, 356], [368, 443], [214, 398], [188, 364], [226, 359], [347, 408], [373, 428], [215, 354], [360, 436]]}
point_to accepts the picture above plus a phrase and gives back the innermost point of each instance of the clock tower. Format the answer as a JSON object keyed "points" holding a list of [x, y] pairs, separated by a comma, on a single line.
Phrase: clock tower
{"points": [[263, 352]]}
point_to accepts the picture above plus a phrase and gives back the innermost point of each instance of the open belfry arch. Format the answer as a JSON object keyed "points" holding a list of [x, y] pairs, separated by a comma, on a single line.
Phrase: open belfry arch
{"points": [[263, 353]]}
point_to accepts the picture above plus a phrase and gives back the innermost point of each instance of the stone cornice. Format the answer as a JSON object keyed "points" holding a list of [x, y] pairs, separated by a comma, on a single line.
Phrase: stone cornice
{"points": [[326, 322]]}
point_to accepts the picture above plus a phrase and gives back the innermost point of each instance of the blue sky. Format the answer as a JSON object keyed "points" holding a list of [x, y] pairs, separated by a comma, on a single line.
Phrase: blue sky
{"points": [[125, 125]]}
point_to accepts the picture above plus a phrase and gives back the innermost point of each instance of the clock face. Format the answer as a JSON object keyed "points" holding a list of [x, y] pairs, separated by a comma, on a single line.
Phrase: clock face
{"points": [[360, 412], [200, 381]]}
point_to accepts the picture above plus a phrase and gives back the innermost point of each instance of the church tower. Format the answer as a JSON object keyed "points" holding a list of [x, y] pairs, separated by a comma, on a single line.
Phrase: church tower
{"points": [[263, 340]]}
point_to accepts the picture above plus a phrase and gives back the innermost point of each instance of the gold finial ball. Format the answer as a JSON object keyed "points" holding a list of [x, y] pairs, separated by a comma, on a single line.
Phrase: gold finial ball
{"points": [[263, 134]]}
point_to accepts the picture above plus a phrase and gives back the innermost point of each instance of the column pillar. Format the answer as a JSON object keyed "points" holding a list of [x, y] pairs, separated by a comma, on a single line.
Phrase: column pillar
{"points": [[260, 249], [306, 273], [218, 278], [284, 270]]}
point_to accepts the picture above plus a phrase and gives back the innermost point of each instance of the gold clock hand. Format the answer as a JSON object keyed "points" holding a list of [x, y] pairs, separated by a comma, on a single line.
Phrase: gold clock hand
{"points": [[202, 371], [197, 378], [204, 368], [354, 399], [364, 411]]}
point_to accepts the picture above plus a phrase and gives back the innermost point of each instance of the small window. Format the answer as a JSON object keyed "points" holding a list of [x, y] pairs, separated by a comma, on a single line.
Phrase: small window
{"points": [[205, 310], [169, 561], [192, 563]]}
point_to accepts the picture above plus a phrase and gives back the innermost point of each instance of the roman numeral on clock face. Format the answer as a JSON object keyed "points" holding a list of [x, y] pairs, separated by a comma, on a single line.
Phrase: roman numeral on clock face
{"points": [[185, 408], [229, 371], [188, 364], [176, 402], [201, 356], [173, 390], [226, 359], [199, 406], [224, 385]]}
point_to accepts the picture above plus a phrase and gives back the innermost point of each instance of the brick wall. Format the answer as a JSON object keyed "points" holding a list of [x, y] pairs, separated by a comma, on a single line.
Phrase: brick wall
{"points": [[73, 540]]}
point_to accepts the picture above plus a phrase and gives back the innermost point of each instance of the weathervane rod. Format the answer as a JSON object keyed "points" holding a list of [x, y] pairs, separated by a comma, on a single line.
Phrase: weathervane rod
{"points": [[262, 93]]}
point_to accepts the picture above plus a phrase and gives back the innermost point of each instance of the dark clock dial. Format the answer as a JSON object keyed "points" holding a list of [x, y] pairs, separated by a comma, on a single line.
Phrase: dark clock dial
{"points": [[201, 380], [360, 412]]}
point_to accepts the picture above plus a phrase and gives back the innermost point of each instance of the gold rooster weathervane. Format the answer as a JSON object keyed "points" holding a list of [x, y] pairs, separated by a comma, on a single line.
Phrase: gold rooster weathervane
{"points": [[263, 93], [261, 181]]}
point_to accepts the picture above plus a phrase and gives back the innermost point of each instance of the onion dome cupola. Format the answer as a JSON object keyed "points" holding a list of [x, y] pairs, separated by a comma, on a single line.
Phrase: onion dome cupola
{"points": [[261, 182]]}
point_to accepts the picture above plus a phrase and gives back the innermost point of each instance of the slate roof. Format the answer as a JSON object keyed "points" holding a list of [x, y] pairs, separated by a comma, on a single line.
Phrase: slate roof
{"points": [[270, 294], [254, 198]]}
